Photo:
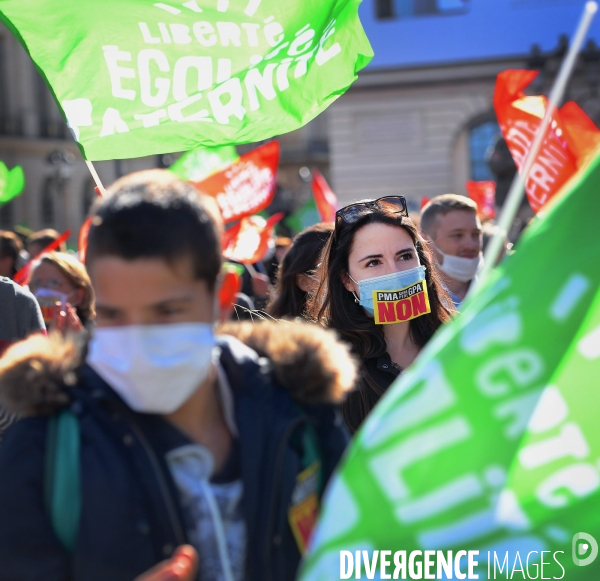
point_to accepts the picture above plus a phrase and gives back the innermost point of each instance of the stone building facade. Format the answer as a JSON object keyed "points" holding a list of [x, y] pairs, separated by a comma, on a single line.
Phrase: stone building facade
{"points": [[59, 189], [418, 130], [424, 131]]}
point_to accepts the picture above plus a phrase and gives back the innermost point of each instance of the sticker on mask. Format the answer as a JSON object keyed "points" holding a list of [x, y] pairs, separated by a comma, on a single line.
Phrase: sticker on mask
{"points": [[401, 305], [48, 308]]}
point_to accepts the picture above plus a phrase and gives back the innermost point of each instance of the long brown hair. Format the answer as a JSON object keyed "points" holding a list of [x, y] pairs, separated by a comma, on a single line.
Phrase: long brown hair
{"points": [[335, 307], [302, 257]]}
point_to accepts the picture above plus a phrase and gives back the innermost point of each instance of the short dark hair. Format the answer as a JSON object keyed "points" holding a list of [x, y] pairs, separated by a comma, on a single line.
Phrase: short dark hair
{"points": [[442, 205], [153, 214], [10, 246], [45, 238]]}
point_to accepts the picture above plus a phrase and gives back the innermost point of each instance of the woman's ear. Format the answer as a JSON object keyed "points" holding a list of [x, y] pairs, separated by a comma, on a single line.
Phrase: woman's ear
{"points": [[350, 286]]}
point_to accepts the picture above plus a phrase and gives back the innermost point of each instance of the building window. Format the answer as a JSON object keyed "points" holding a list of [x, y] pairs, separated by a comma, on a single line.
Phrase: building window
{"points": [[89, 197], [410, 8], [8, 125], [384, 9], [481, 137], [7, 215], [47, 206], [51, 124]]}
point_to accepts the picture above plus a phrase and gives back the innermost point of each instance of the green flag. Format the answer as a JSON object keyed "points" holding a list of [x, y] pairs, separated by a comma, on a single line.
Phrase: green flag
{"points": [[305, 216], [138, 77], [491, 441], [200, 163], [12, 182]]}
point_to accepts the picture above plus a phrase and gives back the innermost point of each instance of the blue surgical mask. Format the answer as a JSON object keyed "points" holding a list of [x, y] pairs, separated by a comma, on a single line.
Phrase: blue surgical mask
{"points": [[388, 282]]}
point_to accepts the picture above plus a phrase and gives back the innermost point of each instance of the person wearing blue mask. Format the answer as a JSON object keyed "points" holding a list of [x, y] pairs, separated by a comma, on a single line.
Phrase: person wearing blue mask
{"points": [[379, 291], [161, 433], [450, 225]]}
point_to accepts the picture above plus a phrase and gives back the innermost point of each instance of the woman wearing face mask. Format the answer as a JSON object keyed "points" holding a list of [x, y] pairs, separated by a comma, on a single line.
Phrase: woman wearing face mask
{"points": [[296, 277], [380, 292], [60, 278]]}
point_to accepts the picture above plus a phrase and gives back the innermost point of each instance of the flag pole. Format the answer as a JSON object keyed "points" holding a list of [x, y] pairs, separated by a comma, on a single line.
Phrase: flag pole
{"points": [[517, 188], [96, 177]]}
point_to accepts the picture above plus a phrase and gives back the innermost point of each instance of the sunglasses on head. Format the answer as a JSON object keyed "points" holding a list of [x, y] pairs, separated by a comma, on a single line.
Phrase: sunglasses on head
{"points": [[350, 214]]}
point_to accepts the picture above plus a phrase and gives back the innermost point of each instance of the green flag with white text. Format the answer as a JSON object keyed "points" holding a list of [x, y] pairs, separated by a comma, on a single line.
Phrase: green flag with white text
{"points": [[138, 77], [490, 442]]}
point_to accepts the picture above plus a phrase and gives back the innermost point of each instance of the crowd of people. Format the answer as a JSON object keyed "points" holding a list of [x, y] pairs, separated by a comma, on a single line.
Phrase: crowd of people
{"points": [[151, 439]]}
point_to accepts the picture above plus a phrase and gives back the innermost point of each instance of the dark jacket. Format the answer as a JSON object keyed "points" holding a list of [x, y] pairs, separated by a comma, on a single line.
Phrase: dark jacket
{"points": [[358, 404], [382, 371], [131, 517]]}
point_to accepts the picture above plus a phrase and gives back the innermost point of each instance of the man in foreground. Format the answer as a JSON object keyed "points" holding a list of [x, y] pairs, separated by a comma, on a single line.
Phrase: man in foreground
{"points": [[451, 224], [182, 438]]}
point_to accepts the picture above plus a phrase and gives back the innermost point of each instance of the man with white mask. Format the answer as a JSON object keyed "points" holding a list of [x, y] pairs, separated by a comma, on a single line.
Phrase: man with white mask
{"points": [[451, 224], [166, 432]]}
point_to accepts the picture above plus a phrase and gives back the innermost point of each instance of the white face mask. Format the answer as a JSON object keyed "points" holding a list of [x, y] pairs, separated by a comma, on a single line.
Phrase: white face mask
{"points": [[459, 268], [46, 295], [154, 368]]}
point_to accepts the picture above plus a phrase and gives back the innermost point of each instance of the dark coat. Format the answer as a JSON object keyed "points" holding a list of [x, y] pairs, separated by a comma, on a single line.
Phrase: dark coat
{"points": [[381, 374], [131, 518]]}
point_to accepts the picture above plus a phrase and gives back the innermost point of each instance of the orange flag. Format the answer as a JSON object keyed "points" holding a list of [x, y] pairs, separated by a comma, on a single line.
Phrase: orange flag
{"points": [[569, 138], [424, 201], [581, 133], [249, 241], [326, 200], [484, 195], [246, 186]]}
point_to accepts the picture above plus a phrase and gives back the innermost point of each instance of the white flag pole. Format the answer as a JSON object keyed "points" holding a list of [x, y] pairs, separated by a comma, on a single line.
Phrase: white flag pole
{"points": [[517, 188], [96, 177]]}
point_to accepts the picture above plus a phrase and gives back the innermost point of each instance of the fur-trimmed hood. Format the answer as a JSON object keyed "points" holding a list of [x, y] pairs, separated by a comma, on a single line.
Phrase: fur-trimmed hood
{"points": [[310, 362]]}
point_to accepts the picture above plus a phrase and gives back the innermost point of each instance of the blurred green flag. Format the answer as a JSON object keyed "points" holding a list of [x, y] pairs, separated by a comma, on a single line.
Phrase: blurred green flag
{"points": [[200, 163], [306, 215], [12, 182], [491, 441], [137, 77]]}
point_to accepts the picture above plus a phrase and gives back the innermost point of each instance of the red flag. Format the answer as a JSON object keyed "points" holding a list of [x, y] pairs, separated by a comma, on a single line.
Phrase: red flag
{"points": [[23, 275], [326, 200], [251, 241], [581, 133], [569, 137], [230, 286], [83, 239], [230, 235], [246, 186], [484, 195], [83, 233], [424, 201]]}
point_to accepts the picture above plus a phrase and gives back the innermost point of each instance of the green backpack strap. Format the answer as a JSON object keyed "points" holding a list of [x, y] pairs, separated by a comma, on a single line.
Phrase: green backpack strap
{"points": [[62, 486], [312, 454]]}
